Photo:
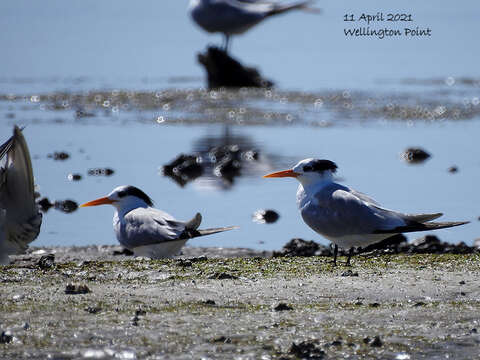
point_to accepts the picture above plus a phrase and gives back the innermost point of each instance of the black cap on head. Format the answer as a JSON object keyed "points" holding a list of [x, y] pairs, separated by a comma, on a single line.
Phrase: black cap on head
{"points": [[134, 191], [319, 166]]}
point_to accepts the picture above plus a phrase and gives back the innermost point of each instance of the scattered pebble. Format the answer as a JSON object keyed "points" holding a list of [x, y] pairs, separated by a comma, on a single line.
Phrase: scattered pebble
{"points": [[124, 251], [67, 206], [72, 289], [349, 273], [377, 342], [6, 337], [74, 177], [46, 261], [462, 282], [100, 172], [374, 305], [282, 307], [209, 302], [420, 303], [309, 349], [415, 155], [222, 276], [59, 155], [473, 331], [222, 339], [265, 216], [93, 309], [44, 204], [453, 169]]}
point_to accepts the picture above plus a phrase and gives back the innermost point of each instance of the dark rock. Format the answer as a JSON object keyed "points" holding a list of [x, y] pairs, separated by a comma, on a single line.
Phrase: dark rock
{"points": [[473, 331], [298, 247], [377, 342], [59, 155], [209, 302], [74, 177], [46, 261], [224, 71], [374, 305], [44, 204], [420, 303], [140, 312], [6, 337], [366, 340], [184, 263], [282, 307], [124, 251], [100, 172], [337, 342], [349, 273], [453, 169], [135, 320], [463, 293], [309, 350], [184, 168], [72, 289], [67, 206], [265, 216], [222, 276], [415, 155], [462, 282]]}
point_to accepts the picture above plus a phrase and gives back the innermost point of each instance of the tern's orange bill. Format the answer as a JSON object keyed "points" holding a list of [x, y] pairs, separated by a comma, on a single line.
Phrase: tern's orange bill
{"points": [[285, 173], [101, 201]]}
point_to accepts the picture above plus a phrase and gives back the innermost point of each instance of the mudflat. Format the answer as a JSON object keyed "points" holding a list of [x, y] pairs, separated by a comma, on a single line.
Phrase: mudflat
{"points": [[238, 304]]}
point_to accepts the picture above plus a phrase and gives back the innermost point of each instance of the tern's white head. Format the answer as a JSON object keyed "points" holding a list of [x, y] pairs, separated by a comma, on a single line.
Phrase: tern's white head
{"points": [[124, 198], [309, 171]]}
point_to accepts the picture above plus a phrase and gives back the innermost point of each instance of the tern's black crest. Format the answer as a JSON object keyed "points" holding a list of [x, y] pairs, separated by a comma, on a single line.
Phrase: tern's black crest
{"points": [[134, 191], [320, 165]]}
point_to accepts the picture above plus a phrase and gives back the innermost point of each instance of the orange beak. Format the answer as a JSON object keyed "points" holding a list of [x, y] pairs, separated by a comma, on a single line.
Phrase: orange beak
{"points": [[285, 173], [101, 201]]}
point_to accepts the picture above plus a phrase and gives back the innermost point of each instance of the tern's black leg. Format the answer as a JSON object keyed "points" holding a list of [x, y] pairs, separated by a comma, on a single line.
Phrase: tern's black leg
{"points": [[350, 253], [335, 252], [226, 43]]}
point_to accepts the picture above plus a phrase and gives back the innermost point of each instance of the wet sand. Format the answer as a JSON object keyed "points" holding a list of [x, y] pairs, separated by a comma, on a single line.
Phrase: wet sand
{"points": [[223, 307]]}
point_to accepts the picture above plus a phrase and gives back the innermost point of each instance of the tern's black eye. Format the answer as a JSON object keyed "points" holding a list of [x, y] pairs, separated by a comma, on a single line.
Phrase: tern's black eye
{"points": [[307, 168], [121, 194]]}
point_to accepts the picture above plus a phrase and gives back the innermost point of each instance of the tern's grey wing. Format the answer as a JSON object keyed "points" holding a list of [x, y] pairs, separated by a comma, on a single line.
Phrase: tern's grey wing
{"points": [[147, 226], [22, 218], [335, 211]]}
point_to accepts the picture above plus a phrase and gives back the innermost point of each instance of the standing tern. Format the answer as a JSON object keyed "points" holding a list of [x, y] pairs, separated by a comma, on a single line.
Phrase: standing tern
{"points": [[347, 217], [232, 17], [20, 219], [147, 231]]}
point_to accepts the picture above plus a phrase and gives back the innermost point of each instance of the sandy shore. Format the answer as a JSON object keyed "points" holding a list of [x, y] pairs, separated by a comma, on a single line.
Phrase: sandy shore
{"points": [[210, 304]]}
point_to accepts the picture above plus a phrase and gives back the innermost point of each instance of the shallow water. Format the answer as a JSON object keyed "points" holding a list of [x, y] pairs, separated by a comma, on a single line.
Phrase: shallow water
{"points": [[105, 83]]}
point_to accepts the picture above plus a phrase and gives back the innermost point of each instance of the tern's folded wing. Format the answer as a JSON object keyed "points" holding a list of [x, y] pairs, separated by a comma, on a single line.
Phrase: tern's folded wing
{"points": [[336, 212], [147, 226]]}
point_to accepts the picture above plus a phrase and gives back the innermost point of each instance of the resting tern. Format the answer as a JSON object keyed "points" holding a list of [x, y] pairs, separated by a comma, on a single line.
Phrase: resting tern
{"points": [[20, 219], [347, 217], [232, 17], [147, 231]]}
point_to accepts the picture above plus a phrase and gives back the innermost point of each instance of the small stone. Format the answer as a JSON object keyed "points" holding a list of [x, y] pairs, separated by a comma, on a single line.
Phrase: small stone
{"points": [[74, 177], [184, 263], [93, 309], [308, 350], [415, 155], [140, 312], [72, 289], [374, 305], [349, 273], [337, 342], [452, 169], [462, 282], [6, 337], [420, 303], [377, 342], [209, 302], [282, 307], [67, 206], [135, 320], [46, 261], [44, 204], [124, 251], [59, 155], [26, 326], [265, 216], [222, 339], [366, 340], [473, 331], [462, 293], [222, 276]]}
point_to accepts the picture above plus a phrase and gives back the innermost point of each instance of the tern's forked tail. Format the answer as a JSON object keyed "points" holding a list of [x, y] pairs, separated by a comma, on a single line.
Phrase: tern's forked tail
{"points": [[190, 234], [421, 227]]}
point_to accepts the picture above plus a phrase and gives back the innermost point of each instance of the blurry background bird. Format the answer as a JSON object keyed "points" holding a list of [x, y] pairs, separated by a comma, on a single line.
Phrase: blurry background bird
{"points": [[148, 231], [20, 219], [234, 17]]}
